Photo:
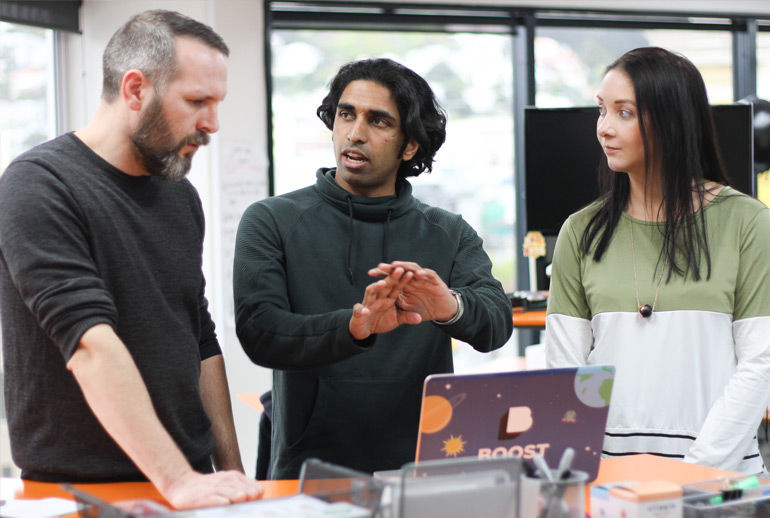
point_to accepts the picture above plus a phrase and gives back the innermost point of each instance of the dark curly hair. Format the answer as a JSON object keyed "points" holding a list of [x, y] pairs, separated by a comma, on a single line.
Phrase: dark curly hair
{"points": [[422, 117]]}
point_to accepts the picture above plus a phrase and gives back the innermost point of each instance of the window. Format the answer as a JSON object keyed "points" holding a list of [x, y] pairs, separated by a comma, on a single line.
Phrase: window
{"points": [[763, 92], [472, 77], [763, 65], [570, 62], [27, 107]]}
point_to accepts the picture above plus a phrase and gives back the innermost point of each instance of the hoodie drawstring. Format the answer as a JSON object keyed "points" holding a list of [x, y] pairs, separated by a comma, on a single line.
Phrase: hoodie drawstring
{"points": [[385, 238], [350, 237]]}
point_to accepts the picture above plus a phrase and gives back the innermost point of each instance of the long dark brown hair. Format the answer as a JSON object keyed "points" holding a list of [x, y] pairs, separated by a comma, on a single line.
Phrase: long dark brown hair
{"points": [[675, 114]]}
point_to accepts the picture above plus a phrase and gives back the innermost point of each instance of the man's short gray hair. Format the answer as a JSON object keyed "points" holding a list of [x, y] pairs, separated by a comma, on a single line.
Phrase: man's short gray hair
{"points": [[147, 42]]}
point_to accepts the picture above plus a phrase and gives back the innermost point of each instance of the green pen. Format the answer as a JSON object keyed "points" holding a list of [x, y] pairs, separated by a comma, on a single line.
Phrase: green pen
{"points": [[735, 491]]}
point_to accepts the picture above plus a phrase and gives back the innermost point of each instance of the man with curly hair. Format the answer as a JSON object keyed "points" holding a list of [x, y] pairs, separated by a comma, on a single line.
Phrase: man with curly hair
{"points": [[348, 371]]}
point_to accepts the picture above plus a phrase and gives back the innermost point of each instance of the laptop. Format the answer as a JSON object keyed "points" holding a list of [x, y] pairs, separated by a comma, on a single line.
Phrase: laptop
{"points": [[517, 414]]}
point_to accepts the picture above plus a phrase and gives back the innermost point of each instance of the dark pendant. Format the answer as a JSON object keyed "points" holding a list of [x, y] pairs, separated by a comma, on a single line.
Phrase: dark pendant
{"points": [[645, 310]]}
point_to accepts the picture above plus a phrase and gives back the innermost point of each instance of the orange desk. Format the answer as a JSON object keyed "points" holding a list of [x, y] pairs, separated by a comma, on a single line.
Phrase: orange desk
{"points": [[528, 319], [14, 488], [634, 467], [645, 468]]}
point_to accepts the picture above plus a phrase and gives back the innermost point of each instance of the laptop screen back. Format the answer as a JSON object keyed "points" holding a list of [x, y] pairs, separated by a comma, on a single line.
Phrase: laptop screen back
{"points": [[517, 414]]}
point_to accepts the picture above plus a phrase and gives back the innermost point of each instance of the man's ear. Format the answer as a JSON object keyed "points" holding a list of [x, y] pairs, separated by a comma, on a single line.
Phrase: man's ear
{"points": [[410, 150], [134, 89]]}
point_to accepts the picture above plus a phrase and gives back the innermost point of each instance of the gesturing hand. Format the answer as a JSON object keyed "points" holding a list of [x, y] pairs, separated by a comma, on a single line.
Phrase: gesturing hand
{"points": [[378, 312], [425, 294]]}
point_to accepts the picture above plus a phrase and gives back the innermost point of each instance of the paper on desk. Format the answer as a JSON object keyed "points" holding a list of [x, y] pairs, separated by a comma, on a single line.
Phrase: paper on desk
{"points": [[286, 507], [42, 508]]}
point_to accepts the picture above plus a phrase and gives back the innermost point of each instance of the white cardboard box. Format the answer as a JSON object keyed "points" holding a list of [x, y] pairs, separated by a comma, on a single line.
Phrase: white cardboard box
{"points": [[655, 499]]}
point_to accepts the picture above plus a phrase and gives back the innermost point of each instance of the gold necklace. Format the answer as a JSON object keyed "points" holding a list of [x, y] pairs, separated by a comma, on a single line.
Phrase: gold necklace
{"points": [[645, 309]]}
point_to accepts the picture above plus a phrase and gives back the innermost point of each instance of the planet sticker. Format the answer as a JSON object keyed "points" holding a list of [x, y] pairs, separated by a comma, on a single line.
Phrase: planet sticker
{"points": [[593, 387], [437, 412]]}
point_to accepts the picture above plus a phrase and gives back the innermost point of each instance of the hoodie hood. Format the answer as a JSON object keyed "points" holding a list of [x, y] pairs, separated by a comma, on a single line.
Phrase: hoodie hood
{"points": [[381, 208], [365, 209]]}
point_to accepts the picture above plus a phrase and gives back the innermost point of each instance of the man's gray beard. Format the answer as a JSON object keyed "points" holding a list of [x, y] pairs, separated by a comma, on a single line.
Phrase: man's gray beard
{"points": [[152, 141], [175, 166]]}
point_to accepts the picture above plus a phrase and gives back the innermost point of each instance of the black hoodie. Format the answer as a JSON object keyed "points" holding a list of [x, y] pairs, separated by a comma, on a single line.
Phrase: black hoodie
{"points": [[301, 263]]}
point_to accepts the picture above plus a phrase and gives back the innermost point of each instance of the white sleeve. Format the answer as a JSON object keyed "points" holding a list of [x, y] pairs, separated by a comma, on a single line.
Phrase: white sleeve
{"points": [[568, 334], [568, 341], [730, 427]]}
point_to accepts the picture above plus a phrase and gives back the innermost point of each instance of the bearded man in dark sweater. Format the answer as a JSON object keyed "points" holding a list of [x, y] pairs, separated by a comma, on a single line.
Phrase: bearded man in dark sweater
{"points": [[113, 371], [350, 355]]}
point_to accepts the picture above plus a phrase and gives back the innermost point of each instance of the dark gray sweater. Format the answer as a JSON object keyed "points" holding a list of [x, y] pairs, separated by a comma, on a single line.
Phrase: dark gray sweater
{"points": [[83, 243], [301, 263]]}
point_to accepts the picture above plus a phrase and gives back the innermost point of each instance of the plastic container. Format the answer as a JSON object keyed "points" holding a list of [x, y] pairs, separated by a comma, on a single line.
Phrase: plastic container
{"points": [[741, 497], [453, 488], [564, 498]]}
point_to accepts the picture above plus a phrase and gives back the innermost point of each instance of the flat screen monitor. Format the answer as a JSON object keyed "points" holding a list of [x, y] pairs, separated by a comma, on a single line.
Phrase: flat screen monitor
{"points": [[562, 159]]}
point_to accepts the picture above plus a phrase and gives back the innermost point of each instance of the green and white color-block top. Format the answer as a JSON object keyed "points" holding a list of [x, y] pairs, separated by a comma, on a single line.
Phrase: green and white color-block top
{"points": [[692, 380]]}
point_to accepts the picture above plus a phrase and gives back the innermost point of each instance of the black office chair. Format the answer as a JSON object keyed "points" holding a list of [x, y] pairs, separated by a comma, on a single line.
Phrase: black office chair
{"points": [[265, 436]]}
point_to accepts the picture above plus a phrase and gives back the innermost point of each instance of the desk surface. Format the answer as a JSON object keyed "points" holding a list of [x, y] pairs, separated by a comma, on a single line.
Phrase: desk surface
{"points": [[528, 318], [14, 488], [633, 467], [643, 468]]}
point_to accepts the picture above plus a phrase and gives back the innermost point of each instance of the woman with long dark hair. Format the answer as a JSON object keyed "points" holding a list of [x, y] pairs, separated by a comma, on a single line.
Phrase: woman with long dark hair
{"points": [[667, 275]]}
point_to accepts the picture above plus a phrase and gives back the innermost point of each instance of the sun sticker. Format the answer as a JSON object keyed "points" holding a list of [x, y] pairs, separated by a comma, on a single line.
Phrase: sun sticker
{"points": [[454, 445]]}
